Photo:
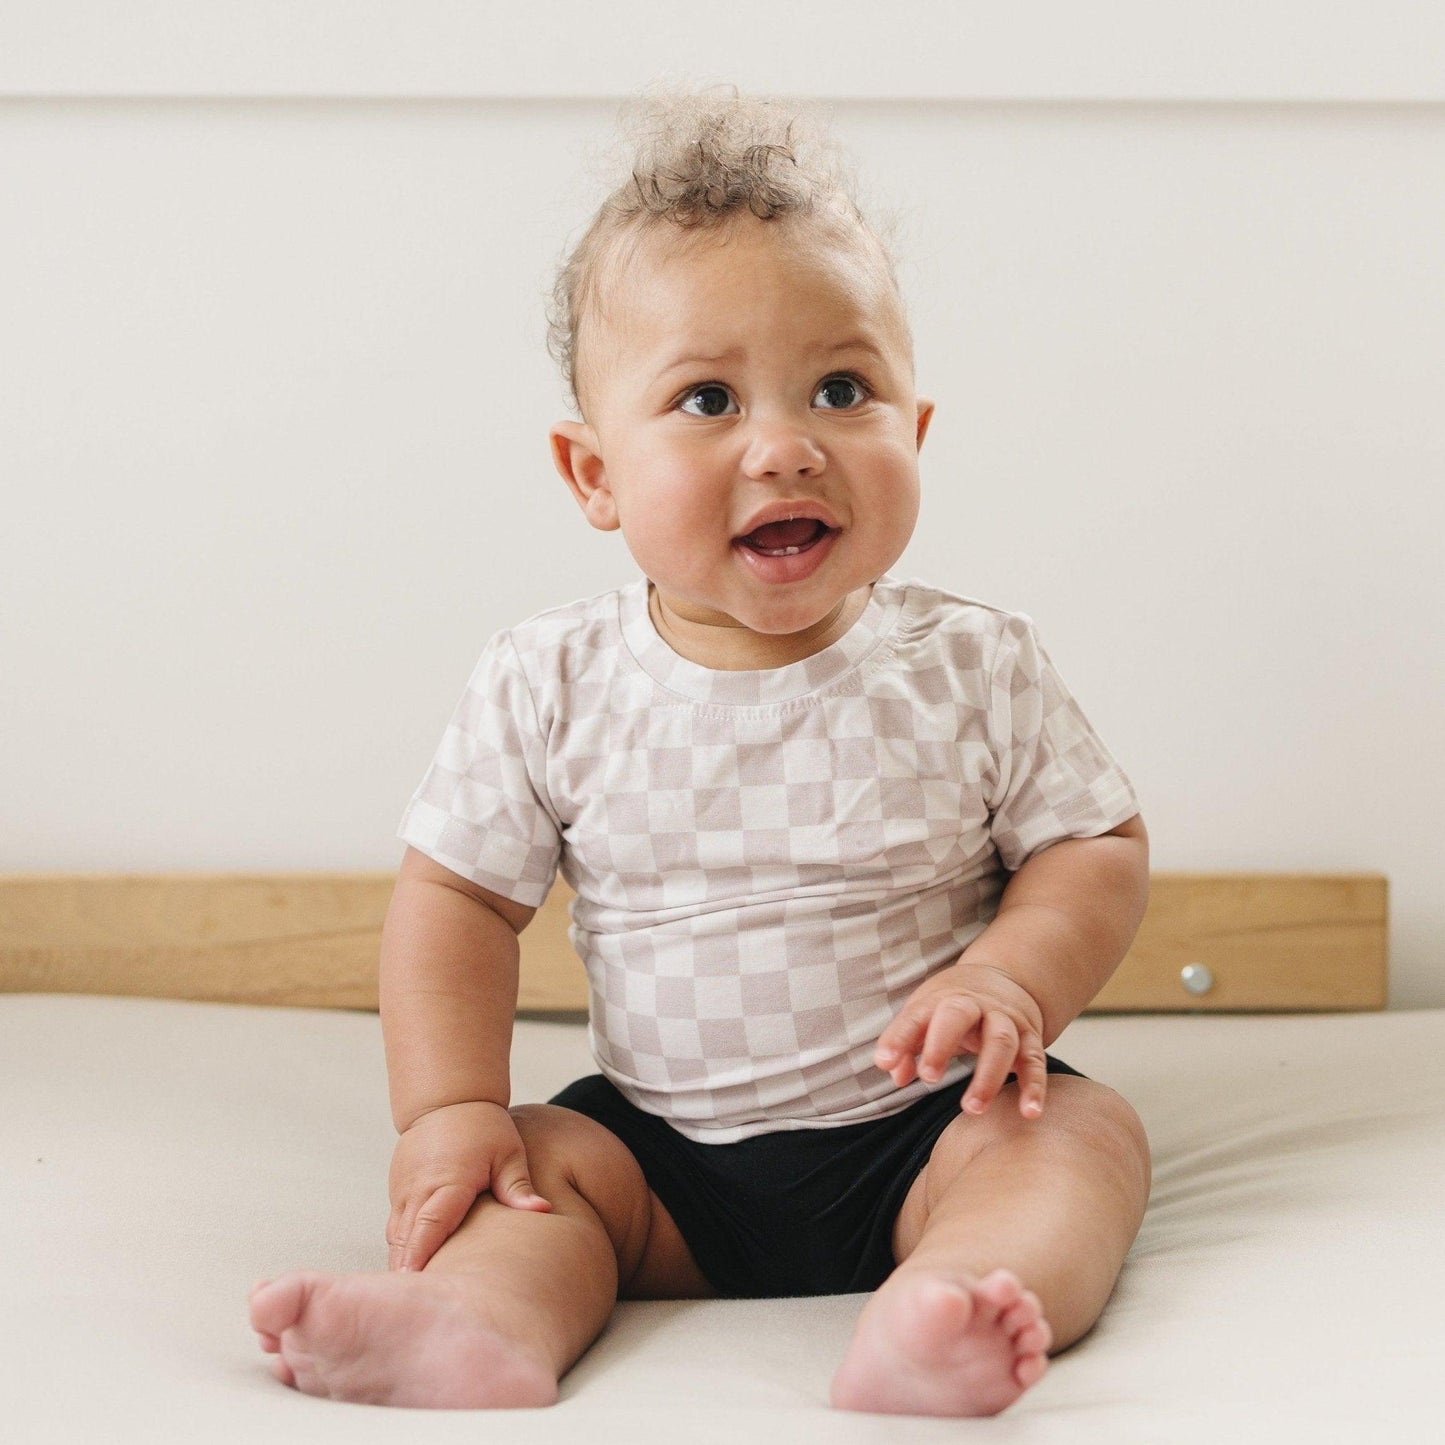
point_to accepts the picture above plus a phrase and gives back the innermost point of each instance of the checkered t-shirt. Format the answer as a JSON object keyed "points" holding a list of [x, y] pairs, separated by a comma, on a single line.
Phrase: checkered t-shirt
{"points": [[767, 864]]}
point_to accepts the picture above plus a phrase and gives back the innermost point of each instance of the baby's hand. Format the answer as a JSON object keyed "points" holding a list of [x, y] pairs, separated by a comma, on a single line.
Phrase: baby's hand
{"points": [[970, 1009], [441, 1163]]}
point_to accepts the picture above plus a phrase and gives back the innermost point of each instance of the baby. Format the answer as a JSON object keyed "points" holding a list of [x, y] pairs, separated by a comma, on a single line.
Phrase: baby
{"points": [[848, 858]]}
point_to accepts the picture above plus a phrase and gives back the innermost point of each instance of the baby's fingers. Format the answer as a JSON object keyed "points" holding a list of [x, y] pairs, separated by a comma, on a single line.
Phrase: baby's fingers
{"points": [[955, 1017], [898, 1045], [433, 1223], [933, 1030], [997, 1052]]}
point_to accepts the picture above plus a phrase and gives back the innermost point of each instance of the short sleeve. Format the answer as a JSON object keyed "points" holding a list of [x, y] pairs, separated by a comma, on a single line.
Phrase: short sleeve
{"points": [[481, 809], [1054, 778]]}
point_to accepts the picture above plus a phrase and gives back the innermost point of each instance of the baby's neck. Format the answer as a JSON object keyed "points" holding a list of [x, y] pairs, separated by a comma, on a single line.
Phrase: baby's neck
{"points": [[739, 649]]}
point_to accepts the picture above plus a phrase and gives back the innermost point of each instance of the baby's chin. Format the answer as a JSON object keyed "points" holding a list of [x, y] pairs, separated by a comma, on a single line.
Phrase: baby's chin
{"points": [[774, 614], [795, 621], [747, 635]]}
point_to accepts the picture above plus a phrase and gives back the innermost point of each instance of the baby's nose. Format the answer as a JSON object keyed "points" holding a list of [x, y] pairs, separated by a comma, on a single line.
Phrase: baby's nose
{"points": [[783, 448]]}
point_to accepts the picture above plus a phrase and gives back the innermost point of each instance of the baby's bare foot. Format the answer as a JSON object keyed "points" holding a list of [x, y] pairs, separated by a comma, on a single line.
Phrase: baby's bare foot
{"points": [[929, 1344], [413, 1339]]}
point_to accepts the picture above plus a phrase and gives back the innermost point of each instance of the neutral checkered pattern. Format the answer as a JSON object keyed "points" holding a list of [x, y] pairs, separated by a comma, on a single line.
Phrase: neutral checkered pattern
{"points": [[767, 864]]}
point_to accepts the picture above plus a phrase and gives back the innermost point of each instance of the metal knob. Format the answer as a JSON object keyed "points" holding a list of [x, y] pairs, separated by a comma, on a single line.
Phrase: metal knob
{"points": [[1196, 978]]}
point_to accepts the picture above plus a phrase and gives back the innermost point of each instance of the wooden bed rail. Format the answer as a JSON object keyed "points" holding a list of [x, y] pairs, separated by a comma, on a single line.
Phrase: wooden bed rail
{"points": [[1210, 941]]}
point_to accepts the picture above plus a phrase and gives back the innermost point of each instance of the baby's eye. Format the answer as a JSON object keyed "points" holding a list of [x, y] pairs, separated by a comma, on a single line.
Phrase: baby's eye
{"points": [[708, 389], [845, 390]]}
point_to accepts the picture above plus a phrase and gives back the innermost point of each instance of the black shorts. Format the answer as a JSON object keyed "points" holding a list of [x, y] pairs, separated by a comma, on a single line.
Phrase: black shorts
{"points": [[793, 1212]]}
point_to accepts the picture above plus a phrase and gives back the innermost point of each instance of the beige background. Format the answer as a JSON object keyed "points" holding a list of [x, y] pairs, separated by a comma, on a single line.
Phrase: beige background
{"points": [[275, 397]]}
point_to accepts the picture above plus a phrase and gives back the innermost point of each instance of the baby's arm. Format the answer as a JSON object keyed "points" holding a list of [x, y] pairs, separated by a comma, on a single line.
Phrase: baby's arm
{"points": [[1064, 924], [448, 988], [449, 962], [1067, 918]]}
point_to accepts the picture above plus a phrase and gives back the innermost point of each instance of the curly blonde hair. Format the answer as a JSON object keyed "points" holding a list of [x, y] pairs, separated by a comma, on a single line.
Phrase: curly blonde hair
{"points": [[696, 160]]}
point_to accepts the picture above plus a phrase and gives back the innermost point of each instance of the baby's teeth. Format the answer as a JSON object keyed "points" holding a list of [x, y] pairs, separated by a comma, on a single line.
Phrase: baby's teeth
{"points": [[780, 552]]}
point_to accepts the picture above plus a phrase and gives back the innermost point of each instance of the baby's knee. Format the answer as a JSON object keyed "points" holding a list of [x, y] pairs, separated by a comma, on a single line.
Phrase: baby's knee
{"points": [[568, 1151], [1131, 1140], [558, 1143]]}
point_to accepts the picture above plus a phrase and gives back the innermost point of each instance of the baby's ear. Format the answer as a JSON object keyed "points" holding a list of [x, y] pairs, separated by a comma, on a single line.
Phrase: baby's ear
{"points": [[579, 463], [925, 415]]}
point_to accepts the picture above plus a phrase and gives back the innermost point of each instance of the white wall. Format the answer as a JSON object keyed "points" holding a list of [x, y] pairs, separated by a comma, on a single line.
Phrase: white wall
{"points": [[274, 400]]}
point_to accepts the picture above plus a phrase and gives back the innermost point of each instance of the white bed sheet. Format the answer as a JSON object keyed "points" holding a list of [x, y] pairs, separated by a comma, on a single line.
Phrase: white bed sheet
{"points": [[158, 1156]]}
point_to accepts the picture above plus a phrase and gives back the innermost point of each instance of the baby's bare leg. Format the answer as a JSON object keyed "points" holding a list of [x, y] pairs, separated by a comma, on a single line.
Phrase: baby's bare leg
{"points": [[501, 1311], [553, 1277], [1009, 1244]]}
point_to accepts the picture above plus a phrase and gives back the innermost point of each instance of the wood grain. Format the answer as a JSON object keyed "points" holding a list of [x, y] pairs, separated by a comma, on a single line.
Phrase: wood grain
{"points": [[1270, 941]]}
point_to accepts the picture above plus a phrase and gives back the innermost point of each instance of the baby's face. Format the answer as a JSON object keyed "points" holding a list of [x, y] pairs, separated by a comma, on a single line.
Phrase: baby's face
{"points": [[736, 384]]}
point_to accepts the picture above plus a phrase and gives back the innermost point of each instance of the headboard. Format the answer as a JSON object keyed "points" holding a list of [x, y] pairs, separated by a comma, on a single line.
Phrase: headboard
{"points": [[1209, 941]]}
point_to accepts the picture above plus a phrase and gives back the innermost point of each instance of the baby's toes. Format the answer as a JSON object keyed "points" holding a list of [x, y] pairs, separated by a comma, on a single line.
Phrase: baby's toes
{"points": [[277, 1304], [1028, 1328], [269, 1342], [1001, 1289], [1030, 1370]]}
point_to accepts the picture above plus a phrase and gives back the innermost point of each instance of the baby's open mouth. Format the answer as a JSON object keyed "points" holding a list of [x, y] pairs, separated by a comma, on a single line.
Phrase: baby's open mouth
{"points": [[783, 539]]}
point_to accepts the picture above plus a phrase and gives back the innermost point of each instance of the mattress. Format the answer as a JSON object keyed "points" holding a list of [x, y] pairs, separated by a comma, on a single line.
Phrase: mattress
{"points": [[158, 1156]]}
